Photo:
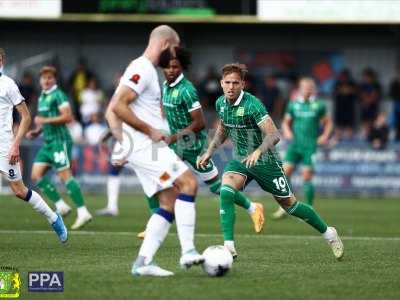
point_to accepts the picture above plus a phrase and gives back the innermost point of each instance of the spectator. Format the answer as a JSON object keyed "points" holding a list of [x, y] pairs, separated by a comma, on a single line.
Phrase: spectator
{"points": [[77, 82], [271, 96], [110, 91], [28, 91], [370, 96], [76, 131], [210, 88], [379, 133], [250, 84], [95, 130], [395, 96], [92, 99], [345, 95]]}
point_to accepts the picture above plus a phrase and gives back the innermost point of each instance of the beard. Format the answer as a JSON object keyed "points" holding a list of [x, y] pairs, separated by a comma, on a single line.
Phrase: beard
{"points": [[165, 57]]}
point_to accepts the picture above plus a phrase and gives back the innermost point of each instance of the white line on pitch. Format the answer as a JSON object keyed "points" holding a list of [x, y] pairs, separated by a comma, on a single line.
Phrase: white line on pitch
{"points": [[272, 236]]}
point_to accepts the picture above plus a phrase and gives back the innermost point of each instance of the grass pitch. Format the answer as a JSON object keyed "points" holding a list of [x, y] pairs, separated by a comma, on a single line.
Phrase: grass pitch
{"points": [[289, 260]]}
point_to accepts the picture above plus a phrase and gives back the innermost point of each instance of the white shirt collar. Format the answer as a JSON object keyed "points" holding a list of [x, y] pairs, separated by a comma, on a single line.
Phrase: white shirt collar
{"points": [[177, 80], [239, 99], [302, 100], [50, 90]]}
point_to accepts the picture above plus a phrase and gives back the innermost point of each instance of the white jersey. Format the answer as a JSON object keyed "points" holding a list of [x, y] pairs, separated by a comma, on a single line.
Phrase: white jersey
{"points": [[9, 97], [141, 76]]}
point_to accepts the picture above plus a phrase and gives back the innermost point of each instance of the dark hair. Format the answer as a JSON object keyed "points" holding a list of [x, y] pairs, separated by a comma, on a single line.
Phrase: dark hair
{"points": [[2, 53], [241, 69], [184, 57], [48, 69]]}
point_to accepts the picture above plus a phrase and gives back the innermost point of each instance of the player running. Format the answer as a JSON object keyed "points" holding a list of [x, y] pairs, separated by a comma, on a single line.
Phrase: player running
{"points": [[54, 112], [244, 119], [186, 122], [301, 126], [11, 97], [137, 103]]}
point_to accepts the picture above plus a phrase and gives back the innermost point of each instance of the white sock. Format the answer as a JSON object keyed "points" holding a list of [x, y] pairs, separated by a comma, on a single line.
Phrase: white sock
{"points": [[81, 211], [60, 204], [329, 234], [252, 208], [41, 207], [230, 245], [113, 184], [185, 216], [156, 230]]}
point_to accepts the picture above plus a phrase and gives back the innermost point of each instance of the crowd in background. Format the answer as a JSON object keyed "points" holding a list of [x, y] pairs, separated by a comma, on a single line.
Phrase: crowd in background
{"points": [[357, 110]]}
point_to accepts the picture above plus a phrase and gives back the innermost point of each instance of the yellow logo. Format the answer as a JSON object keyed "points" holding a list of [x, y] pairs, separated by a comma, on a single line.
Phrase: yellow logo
{"points": [[175, 94], [240, 112], [10, 283]]}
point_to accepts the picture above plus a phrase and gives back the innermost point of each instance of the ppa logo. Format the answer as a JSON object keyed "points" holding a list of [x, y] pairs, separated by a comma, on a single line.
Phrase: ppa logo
{"points": [[46, 281]]}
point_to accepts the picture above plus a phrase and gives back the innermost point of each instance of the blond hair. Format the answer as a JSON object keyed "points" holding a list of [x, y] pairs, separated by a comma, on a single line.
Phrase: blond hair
{"points": [[240, 69], [48, 69]]}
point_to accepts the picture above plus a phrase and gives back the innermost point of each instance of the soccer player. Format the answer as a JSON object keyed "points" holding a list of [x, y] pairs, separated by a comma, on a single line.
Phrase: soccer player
{"points": [[244, 119], [301, 126], [186, 122], [54, 112], [11, 97], [137, 103]]}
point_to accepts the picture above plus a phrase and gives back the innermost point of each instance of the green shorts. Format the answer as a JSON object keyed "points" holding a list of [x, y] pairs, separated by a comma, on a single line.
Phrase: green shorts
{"points": [[55, 154], [190, 156], [294, 155], [269, 176]]}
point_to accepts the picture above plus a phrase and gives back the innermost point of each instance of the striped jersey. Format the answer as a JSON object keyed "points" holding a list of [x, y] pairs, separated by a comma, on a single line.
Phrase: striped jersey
{"points": [[241, 119], [179, 100], [49, 105], [306, 117]]}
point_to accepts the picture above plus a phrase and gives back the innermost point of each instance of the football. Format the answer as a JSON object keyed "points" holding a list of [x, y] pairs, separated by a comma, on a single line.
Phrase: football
{"points": [[217, 261]]}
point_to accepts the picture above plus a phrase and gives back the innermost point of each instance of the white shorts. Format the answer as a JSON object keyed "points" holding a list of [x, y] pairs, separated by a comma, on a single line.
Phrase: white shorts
{"points": [[156, 166], [10, 172]]}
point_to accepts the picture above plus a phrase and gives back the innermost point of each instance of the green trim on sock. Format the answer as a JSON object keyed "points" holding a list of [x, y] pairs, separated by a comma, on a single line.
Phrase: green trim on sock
{"points": [[153, 203], [48, 189], [214, 186], [227, 211], [307, 214], [308, 189], [74, 191]]}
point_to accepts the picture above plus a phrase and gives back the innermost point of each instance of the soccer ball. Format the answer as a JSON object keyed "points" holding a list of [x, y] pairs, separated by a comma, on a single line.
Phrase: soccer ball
{"points": [[217, 260]]}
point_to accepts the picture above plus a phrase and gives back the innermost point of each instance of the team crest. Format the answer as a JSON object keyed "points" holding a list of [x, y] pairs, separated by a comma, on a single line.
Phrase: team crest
{"points": [[240, 112], [175, 94], [314, 106], [10, 283]]}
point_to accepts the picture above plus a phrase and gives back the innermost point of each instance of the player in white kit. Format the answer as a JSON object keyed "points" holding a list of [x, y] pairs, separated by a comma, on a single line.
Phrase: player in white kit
{"points": [[144, 138], [10, 97]]}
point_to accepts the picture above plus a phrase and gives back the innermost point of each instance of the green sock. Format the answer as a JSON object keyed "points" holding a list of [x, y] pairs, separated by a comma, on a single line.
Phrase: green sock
{"points": [[47, 188], [214, 185], [153, 202], [308, 189], [308, 214], [74, 191], [242, 200], [227, 211]]}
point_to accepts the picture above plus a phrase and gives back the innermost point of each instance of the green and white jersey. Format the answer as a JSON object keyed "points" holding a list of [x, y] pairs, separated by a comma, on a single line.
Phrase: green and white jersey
{"points": [[306, 117], [241, 119], [179, 100], [50, 102]]}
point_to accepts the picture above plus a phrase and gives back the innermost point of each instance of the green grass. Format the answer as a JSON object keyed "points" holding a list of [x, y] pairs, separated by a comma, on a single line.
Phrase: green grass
{"points": [[287, 261]]}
